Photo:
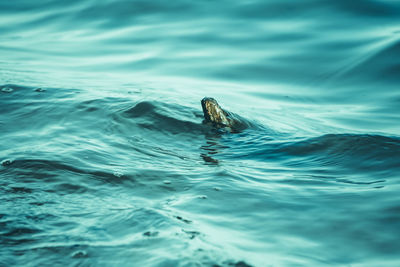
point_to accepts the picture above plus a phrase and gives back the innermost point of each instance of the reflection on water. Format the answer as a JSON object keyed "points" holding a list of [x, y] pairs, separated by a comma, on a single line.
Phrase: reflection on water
{"points": [[211, 148], [105, 159]]}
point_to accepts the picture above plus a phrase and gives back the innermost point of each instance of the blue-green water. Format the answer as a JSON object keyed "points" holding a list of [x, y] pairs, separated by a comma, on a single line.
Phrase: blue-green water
{"points": [[105, 160]]}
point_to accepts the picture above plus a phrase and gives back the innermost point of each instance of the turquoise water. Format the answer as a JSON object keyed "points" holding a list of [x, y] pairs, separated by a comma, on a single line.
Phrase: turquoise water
{"points": [[105, 160]]}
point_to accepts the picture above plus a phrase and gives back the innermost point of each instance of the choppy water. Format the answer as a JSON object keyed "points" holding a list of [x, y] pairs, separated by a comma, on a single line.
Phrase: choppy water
{"points": [[105, 160]]}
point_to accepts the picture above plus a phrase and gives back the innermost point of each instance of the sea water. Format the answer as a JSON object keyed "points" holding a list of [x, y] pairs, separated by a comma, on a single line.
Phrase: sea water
{"points": [[105, 160]]}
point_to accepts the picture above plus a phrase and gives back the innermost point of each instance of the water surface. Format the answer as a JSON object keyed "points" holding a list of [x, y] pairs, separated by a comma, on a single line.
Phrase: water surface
{"points": [[105, 160]]}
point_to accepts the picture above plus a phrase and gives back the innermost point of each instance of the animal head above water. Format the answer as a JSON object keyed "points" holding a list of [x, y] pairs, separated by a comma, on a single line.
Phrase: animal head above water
{"points": [[213, 113]]}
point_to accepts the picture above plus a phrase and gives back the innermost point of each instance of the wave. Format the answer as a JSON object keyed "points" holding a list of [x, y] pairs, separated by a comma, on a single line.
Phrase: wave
{"points": [[378, 63], [163, 117], [52, 171], [164, 127], [358, 152]]}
